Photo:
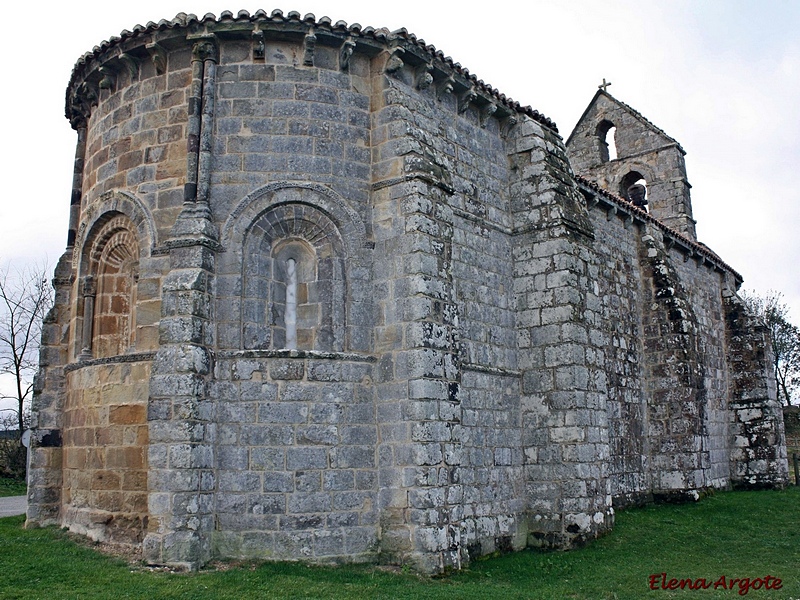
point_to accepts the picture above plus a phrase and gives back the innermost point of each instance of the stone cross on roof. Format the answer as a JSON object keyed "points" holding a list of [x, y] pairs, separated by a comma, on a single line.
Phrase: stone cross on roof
{"points": [[604, 85]]}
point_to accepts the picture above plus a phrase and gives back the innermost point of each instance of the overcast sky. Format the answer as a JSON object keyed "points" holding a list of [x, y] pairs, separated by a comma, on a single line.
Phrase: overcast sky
{"points": [[722, 77]]}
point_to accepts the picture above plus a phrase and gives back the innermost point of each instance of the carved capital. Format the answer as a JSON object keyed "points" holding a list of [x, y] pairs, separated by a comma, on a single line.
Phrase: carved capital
{"points": [[309, 45], [89, 286], [395, 62], [465, 99], [205, 49], [486, 113], [345, 53], [423, 78], [444, 88]]}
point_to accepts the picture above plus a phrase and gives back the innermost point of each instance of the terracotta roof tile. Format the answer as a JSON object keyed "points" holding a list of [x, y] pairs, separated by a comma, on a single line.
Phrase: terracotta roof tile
{"points": [[355, 29], [696, 247]]}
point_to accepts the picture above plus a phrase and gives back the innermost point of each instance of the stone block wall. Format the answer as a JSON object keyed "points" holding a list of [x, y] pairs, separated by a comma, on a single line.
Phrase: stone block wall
{"points": [[295, 456], [618, 280], [758, 458], [643, 151], [105, 440], [328, 296]]}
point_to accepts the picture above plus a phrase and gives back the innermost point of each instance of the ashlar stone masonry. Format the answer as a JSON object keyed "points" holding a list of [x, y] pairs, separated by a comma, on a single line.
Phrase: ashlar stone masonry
{"points": [[328, 296]]}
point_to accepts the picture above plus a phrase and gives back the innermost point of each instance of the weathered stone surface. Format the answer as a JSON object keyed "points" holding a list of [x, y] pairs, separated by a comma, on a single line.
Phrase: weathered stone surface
{"points": [[345, 307]]}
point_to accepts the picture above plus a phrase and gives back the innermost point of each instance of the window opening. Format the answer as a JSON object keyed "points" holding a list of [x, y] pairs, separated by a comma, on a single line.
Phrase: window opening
{"points": [[611, 143], [634, 189], [607, 140], [291, 304]]}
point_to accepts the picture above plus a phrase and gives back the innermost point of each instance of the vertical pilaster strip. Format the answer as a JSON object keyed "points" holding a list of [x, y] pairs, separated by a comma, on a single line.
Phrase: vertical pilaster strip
{"points": [[395, 410], [758, 442], [417, 337], [181, 425], [77, 186], [564, 418], [677, 417], [433, 367]]}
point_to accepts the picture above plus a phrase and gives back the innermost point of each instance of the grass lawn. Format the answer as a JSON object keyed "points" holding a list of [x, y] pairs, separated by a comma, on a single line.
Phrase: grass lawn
{"points": [[12, 487], [733, 534]]}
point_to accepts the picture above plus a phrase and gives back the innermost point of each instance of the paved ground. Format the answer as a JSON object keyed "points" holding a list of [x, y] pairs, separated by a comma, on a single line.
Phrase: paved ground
{"points": [[13, 505]]}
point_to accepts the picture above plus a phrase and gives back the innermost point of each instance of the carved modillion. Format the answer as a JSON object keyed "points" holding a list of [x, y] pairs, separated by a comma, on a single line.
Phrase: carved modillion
{"points": [[465, 99], [309, 45], [109, 78], [395, 62], [131, 64], [486, 113], [259, 48], [444, 88], [80, 106], [159, 57], [87, 96], [423, 78], [345, 53], [508, 124]]}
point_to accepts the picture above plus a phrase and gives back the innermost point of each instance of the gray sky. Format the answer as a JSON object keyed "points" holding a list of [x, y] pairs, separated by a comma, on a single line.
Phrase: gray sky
{"points": [[720, 76]]}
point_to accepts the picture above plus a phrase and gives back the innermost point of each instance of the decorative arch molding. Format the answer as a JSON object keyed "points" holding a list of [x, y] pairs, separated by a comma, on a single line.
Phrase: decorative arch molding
{"points": [[292, 252], [262, 200], [108, 282], [628, 166], [107, 206], [294, 281]]}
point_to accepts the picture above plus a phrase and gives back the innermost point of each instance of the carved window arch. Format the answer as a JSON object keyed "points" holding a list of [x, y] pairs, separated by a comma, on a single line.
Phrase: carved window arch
{"points": [[110, 290], [606, 135], [293, 281]]}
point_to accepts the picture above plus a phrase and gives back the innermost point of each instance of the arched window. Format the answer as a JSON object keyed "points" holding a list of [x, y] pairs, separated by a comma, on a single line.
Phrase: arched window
{"points": [[606, 134], [293, 282], [633, 188], [110, 291]]}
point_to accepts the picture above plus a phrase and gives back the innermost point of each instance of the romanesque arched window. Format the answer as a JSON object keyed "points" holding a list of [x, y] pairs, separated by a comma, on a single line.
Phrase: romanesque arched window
{"points": [[633, 187], [110, 290], [293, 281], [606, 134]]}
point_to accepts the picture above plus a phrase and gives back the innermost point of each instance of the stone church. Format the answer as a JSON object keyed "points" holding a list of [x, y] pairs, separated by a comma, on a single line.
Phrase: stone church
{"points": [[329, 296]]}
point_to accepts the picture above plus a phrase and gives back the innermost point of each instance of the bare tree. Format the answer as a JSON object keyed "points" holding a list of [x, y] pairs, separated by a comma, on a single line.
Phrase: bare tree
{"points": [[785, 340], [25, 298]]}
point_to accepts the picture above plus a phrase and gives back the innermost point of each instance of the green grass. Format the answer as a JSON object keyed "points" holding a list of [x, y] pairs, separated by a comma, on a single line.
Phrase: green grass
{"points": [[12, 487], [736, 534]]}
